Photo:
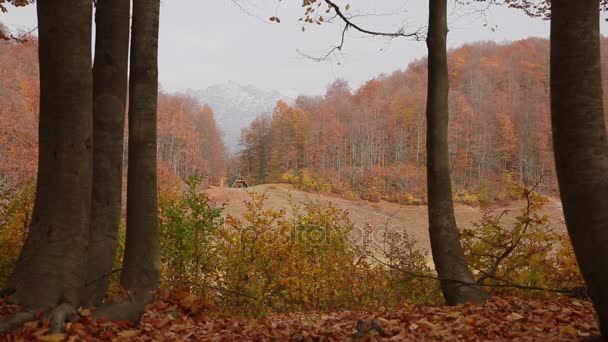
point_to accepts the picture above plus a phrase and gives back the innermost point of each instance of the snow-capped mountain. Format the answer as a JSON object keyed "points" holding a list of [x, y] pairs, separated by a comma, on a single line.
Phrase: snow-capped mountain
{"points": [[235, 106]]}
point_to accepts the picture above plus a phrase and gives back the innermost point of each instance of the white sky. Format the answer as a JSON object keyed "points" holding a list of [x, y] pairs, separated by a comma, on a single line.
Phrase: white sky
{"points": [[203, 42]]}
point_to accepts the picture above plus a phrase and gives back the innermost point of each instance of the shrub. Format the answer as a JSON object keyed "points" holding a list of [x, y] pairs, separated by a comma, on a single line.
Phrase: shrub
{"points": [[314, 258], [370, 196], [188, 225], [309, 261], [251, 251], [16, 206], [289, 177], [403, 267], [529, 253], [406, 198]]}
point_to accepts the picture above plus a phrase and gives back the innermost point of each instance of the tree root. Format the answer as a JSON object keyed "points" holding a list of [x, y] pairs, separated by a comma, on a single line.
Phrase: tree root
{"points": [[59, 315], [16, 321], [129, 310]]}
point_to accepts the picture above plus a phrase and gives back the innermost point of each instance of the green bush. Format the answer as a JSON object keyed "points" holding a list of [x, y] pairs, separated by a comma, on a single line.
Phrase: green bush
{"points": [[189, 226]]}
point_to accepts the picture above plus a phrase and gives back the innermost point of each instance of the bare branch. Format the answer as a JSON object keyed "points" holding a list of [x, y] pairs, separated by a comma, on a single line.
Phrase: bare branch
{"points": [[330, 52], [399, 33], [505, 284], [348, 23]]}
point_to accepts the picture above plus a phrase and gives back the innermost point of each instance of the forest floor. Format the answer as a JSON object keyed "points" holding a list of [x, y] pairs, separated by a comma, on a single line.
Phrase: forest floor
{"points": [[176, 317], [411, 218]]}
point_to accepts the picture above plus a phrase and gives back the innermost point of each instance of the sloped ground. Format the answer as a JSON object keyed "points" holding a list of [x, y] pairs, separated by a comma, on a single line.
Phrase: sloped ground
{"points": [[410, 218], [179, 317]]}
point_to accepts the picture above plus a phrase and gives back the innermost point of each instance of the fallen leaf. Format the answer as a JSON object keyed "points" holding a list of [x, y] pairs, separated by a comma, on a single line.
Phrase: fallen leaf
{"points": [[53, 338], [512, 317]]}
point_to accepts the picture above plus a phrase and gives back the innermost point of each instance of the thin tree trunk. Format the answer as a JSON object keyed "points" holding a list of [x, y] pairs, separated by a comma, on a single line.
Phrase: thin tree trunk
{"points": [[109, 98], [50, 270], [579, 140], [447, 250], [142, 252]]}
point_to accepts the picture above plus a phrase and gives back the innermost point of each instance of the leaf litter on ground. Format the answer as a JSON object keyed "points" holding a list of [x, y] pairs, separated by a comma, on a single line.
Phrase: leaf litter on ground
{"points": [[179, 316]]}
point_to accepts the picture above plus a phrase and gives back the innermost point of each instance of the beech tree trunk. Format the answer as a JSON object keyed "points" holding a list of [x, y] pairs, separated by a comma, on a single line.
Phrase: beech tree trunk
{"points": [[109, 98], [448, 254], [579, 140], [51, 267], [141, 263]]}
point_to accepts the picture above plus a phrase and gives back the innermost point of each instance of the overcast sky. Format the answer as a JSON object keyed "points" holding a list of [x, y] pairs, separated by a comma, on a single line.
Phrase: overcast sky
{"points": [[203, 42]]}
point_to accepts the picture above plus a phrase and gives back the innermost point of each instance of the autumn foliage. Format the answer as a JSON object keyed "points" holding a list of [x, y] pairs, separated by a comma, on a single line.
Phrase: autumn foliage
{"points": [[310, 256], [18, 109], [366, 143], [189, 139], [308, 272], [306, 257], [371, 141]]}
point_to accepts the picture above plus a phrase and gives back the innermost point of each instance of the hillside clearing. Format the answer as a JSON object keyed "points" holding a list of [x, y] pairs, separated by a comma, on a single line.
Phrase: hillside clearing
{"points": [[410, 218]]}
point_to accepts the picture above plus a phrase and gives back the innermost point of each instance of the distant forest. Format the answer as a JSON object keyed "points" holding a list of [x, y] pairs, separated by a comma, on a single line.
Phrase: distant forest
{"points": [[189, 139], [371, 140], [367, 142]]}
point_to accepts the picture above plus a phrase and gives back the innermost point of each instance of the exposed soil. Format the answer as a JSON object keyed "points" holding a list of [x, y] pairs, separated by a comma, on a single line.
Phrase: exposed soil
{"points": [[383, 214]]}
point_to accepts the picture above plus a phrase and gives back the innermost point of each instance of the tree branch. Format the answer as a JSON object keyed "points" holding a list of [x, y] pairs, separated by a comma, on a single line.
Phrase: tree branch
{"points": [[332, 50], [349, 23], [505, 284]]}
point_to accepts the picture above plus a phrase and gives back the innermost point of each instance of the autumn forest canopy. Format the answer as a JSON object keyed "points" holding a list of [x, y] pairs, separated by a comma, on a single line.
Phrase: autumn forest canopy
{"points": [[462, 197], [367, 142]]}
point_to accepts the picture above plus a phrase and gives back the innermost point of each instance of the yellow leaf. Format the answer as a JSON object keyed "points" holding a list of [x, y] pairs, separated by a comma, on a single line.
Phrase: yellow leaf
{"points": [[53, 338], [568, 330], [347, 7]]}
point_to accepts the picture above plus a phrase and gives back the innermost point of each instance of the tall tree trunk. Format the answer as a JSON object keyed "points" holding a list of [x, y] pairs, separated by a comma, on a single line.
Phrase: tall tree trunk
{"points": [[142, 253], [109, 98], [50, 270], [447, 251], [579, 140]]}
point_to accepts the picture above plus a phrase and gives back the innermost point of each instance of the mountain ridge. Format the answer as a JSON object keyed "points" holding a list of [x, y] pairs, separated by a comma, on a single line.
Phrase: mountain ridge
{"points": [[235, 105]]}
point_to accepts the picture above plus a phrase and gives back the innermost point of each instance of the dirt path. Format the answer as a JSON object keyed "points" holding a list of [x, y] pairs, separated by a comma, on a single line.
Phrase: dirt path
{"points": [[413, 219]]}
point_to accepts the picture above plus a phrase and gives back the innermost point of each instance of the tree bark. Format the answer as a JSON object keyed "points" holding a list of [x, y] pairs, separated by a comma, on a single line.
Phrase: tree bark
{"points": [[50, 269], [112, 18], [579, 140], [142, 252], [447, 250]]}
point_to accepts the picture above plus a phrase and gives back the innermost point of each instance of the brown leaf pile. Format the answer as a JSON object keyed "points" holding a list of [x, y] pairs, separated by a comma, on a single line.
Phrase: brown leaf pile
{"points": [[182, 317]]}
